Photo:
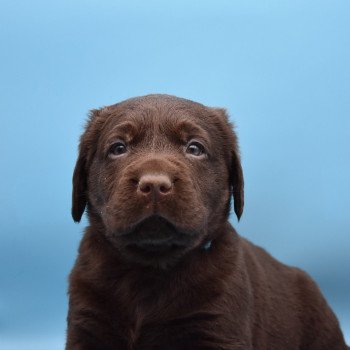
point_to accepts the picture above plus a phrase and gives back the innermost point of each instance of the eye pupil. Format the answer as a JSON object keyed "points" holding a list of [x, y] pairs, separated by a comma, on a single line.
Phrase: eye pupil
{"points": [[118, 148], [195, 149]]}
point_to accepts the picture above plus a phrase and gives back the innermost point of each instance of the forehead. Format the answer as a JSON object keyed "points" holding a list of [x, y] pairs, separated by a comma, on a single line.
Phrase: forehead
{"points": [[158, 114]]}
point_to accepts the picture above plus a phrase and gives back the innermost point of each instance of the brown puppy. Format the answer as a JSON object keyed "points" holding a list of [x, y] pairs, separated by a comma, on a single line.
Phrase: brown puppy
{"points": [[160, 267]]}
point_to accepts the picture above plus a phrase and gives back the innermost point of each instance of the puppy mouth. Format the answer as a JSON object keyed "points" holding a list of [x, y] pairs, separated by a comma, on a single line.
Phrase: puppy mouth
{"points": [[155, 234]]}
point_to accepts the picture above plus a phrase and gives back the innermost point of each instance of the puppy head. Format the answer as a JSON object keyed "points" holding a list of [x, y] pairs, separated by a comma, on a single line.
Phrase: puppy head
{"points": [[157, 174]]}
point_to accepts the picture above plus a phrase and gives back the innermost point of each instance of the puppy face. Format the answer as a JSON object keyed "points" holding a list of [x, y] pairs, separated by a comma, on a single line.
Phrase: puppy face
{"points": [[157, 174]]}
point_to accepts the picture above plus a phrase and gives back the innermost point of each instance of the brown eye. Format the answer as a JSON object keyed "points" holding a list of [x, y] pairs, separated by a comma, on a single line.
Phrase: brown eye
{"points": [[195, 149], [118, 149]]}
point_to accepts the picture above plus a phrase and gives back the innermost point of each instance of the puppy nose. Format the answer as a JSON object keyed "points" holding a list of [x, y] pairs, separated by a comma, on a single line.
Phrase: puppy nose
{"points": [[154, 185]]}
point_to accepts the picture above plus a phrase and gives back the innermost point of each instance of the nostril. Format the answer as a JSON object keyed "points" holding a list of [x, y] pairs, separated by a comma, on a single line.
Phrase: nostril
{"points": [[164, 188], [145, 188]]}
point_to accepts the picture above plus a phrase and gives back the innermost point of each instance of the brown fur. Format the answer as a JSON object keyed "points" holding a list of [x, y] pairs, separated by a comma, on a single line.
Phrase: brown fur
{"points": [[144, 278]]}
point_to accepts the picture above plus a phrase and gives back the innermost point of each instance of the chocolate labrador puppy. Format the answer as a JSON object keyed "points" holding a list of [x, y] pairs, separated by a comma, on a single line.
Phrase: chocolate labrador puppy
{"points": [[159, 266]]}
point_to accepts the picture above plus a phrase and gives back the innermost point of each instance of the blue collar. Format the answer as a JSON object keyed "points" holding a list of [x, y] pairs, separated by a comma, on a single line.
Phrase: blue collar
{"points": [[207, 246]]}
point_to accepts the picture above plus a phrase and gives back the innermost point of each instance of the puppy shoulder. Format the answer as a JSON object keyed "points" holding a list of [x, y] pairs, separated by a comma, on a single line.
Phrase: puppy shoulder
{"points": [[320, 324]]}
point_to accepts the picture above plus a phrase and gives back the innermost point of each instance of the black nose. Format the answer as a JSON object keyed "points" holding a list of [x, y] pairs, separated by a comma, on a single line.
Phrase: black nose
{"points": [[156, 185]]}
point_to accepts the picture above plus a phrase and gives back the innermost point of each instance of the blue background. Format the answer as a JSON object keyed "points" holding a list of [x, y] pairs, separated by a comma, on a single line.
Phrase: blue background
{"points": [[280, 67]]}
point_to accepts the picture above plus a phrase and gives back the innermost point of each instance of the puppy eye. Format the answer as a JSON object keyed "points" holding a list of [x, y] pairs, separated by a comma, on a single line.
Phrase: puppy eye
{"points": [[118, 149], [195, 149]]}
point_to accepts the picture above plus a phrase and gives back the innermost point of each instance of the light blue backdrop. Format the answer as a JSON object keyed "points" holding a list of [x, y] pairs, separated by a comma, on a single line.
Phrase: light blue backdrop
{"points": [[280, 67]]}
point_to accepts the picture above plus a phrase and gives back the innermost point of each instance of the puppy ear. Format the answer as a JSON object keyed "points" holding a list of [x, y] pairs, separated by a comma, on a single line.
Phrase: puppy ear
{"points": [[87, 150], [237, 183], [88, 142], [236, 172], [79, 194]]}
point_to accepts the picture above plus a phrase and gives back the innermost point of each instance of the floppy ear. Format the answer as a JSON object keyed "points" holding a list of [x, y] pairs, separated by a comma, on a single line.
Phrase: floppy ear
{"points": [[236, 172], [237, 183], [86, 147], [79, 198]]}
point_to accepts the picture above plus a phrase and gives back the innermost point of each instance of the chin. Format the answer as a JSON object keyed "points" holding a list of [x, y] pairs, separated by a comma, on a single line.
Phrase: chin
{"points": [[155, 241]]}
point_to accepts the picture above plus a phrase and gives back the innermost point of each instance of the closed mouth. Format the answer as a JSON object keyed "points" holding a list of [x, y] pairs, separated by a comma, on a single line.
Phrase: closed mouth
{"points": [[154, 248], [155, 233]]}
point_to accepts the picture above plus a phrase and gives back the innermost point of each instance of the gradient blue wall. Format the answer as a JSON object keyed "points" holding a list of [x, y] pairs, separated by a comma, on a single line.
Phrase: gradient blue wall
{"points": [[280, 67]]}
